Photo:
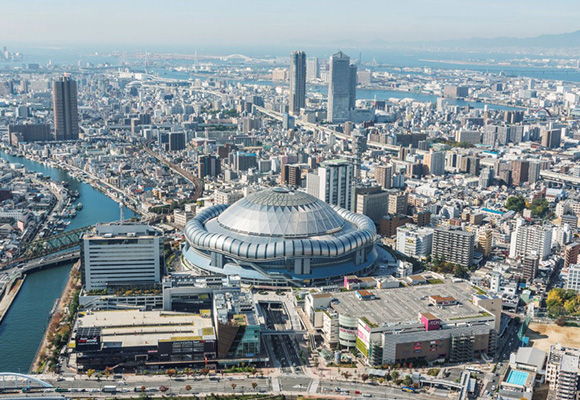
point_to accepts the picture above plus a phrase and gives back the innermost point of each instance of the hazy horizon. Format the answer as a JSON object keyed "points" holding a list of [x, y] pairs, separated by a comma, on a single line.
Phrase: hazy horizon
{"points": [[229, 23]]}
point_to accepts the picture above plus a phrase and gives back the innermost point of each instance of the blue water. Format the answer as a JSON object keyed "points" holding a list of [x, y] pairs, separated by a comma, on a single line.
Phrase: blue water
{"points": [[24, 324], [517, 377]]}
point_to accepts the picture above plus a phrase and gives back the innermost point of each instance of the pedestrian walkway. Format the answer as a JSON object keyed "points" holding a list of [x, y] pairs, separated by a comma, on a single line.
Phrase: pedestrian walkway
{"points": [[275, 384], [314, 386]]}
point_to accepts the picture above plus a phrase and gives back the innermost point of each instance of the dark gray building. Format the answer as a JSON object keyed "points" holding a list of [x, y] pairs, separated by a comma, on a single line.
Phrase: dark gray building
{"points": [[297, 82], [341, 88], [65, 106]]}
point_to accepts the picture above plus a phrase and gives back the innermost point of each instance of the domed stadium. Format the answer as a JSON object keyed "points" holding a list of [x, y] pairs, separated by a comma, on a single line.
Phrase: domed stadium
{"points": [[281, 237]]}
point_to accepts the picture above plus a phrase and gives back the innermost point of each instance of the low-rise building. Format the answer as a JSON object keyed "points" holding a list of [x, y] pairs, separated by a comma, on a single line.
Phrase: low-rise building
{"points": [[404, 325], [132, 338]]}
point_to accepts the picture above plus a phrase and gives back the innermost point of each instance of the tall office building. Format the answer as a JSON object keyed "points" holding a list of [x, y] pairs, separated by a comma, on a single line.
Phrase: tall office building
{"points": [[485, 242], [65, 107], [384, 176], [398, 202], [291, 175], [551, 138], [454, 246], [372, 202], [208, 166], [520, 172], [530, 265], [297, 82], [528, 238], [534, 169], [341, 88], [352, 87], [435, 162], [333, 183], [486, 177], [312, 69], [121, 254], [242, 161], [176, 141]]}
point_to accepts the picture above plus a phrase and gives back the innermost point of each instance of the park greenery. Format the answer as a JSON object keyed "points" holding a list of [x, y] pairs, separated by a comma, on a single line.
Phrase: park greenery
{"points": [[562, 302], [441, 266], [539, 206]]}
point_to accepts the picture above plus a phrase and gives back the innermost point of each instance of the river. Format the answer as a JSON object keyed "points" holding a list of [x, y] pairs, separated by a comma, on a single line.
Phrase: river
{"points": [[24, 324]]}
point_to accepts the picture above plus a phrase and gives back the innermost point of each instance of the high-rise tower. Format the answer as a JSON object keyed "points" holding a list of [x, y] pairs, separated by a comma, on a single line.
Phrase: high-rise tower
{"points": [[297, 81], [65, 107], [341, 88]]}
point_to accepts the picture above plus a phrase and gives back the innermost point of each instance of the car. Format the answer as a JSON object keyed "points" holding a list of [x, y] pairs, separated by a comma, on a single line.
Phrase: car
{"points": [[367, 395], [357, 392]]}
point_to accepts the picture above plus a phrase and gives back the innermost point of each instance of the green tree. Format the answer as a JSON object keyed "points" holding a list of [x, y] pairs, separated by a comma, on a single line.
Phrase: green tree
{"points": [[539, 207], [516, 203], [407, 381]]}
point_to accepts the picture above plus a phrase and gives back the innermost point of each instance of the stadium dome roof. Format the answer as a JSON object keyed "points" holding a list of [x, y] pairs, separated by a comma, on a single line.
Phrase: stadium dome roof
{"points": [[281, 212]]}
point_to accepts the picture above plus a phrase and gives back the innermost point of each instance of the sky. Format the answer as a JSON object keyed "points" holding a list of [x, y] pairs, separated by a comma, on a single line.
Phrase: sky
{"points": [[229, 23]]}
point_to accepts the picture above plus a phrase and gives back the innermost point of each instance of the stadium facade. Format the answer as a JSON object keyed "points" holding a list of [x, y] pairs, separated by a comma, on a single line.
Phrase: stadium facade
{"points": [[281, 237]]}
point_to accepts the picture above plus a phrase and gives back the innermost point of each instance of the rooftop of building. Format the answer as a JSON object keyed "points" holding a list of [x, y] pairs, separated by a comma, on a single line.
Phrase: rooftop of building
{"points": [[402, 306], [235, 307], [132, 328], [531, 356], [122, 229], [569, 363]]}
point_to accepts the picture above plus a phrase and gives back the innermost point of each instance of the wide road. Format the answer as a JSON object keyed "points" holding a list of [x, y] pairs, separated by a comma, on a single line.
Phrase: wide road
{"points": [[287, 384]]}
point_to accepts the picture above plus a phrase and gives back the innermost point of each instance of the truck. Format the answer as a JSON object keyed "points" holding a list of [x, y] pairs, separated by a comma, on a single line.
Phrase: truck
{"points": [[109, 389]]}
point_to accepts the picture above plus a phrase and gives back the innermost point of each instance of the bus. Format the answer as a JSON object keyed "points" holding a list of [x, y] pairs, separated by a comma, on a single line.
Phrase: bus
{"points": [[109, 389], [409, 389]]}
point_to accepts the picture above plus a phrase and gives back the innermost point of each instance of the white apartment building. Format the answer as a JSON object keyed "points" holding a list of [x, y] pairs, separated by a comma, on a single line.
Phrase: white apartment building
{"points": [[333, 183], [562, 372], [122, 254], [413, 241], [573, 280], [528, 238]]}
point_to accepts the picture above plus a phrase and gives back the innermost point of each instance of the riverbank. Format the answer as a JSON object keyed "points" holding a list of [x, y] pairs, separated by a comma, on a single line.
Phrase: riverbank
{"points": [[47, 351], [83, 176], [24, 326], [9, 296]]}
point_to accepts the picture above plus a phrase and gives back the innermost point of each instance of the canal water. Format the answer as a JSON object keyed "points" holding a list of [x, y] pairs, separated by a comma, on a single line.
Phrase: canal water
{"points": [[23, 326]]}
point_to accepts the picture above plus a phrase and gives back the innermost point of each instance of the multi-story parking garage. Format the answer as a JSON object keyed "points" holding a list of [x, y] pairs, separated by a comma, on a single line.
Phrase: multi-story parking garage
{"points": [[281, 237]]}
